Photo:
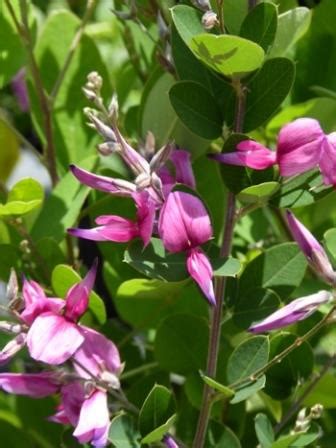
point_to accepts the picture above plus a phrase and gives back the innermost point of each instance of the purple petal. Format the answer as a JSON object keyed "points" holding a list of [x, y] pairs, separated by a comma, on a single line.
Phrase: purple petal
{"points": [[200, 269], [34, 385], [297, 310], [19, 87], [249, 153], [183, 169], [134, 160], [169, 441], [77, 299], [97, 354], [73, 396], [184, 222], [328, 160], [36, 302], [12, 348], [146, 210], [52, 339], [299, 146], [302, 236], [118, 187], [94, 420]]}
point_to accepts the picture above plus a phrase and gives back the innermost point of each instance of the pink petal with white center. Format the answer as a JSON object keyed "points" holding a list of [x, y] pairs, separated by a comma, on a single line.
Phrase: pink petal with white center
{"points": [[328, 160], [146, 210], [77, 299], [94, 420], [300, 144], [118, 187], [183, 169], [97, 354], [53, 339], [34, 385], [184, 222], [200, 269], [12, 348]]}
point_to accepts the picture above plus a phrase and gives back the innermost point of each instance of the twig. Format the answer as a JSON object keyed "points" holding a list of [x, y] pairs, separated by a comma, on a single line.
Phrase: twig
{"points": [[220, 11], [90, 6], [220, 287], [24, 32], [297, 404]]}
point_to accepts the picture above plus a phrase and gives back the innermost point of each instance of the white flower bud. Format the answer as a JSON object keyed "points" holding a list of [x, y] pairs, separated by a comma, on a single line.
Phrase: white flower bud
{"points": [[209, 20]]}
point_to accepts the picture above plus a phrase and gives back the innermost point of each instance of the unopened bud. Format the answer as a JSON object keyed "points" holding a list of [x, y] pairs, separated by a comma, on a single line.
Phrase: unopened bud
{"points": [[209, 20], [104, 130], [322, 266], [161, 157], [24, 246], [110, 379], [90, 94], [108, 148], [113, 109], [202, 4], [12, 287], [316, 411], [143, 181], [95, 80]]}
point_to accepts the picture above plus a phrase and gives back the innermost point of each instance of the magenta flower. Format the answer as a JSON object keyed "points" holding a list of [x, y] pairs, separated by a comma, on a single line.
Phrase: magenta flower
{"points": [[297, 310], [169, 441], [35, 303], [34, 385], [312, 249], [182, 171], [184, 225], [302, 145], [54, 337], [118, 229]]}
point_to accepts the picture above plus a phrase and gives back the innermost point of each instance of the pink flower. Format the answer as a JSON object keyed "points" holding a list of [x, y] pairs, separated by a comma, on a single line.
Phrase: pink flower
{"points": [[302, 145], [53, 337], [118, 229], [34, 385], [184, 225], [297, 310], [312, 249]]}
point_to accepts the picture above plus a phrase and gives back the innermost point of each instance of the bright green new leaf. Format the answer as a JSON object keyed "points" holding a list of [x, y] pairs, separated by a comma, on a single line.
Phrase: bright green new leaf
{"points": [[258, 193], [187, 21], [63, 277], [224, 390], [25, 196], [231, 56], [292, 25], [300, 439]]}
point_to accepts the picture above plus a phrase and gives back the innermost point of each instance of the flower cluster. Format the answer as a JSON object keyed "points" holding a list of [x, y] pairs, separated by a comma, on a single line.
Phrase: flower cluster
{"points": [[89, 363]]}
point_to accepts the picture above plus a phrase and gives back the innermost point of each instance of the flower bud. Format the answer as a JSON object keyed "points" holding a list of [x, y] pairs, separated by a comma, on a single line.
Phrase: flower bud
{"points": [[108, 148], [209, 20], [316, 411]]}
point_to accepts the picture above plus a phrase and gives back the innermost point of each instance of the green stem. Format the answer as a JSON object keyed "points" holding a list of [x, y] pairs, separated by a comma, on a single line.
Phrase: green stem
{"points": [[137, 370], [90, 6], [220, 12], [298, 403], [220, 287]]}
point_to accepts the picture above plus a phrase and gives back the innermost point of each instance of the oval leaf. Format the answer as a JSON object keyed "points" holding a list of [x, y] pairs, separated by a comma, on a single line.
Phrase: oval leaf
{"points": [[231, 56]]}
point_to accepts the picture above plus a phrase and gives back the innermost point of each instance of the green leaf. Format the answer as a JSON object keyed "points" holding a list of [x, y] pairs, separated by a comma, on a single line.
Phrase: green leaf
{"points": [[329, 238], [157, 414], [176, 348], [187, 21], [157, 115], [245, 391], [12, 54], [62, 207], [267, 90], [301, 191], [321, 393], [50, 252], [299, 439], [63, 277], [25, 196], [197, 109], [123, 433], [228, 267], [258, 193], [10, 147], [234, 13], [231, 56], [247, 358], [254, 306], [283, 377], [280, 268], [264, 430], [260, 25], [221, 436], [292, 25], [224, 390], [10, 258], [73, 139]]}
